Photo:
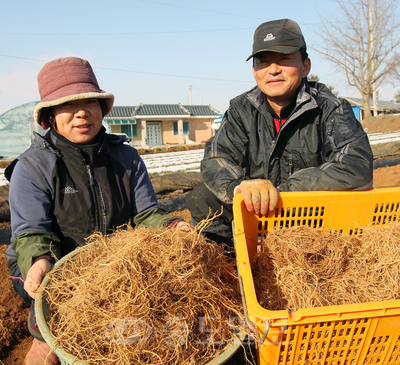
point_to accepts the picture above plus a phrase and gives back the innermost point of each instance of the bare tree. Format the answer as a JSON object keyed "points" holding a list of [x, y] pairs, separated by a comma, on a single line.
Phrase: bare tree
{"points": [[362, 41], [396, 97]]}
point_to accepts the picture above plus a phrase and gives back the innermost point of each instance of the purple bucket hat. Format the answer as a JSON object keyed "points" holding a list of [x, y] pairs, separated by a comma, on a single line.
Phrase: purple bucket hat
{"points": [[66, 79]]}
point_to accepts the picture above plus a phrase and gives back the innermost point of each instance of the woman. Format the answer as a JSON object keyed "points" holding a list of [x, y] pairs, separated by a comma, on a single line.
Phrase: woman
{"points": [[73, 181]]}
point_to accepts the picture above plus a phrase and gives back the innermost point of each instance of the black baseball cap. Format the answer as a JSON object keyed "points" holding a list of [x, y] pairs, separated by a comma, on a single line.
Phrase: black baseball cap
{"points": [[282, 36]]}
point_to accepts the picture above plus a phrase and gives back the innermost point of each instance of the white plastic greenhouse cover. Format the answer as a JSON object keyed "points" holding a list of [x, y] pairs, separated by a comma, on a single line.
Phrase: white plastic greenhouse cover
{"points": [[16, 130]]}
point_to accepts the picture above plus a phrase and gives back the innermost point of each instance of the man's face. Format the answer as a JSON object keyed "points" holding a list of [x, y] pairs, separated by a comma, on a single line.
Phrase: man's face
{"points": [[279, 75]]}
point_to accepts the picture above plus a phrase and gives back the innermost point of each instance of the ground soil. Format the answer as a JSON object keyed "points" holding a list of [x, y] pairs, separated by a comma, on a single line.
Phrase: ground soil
{"points": [[14, 336], [382, 123]]}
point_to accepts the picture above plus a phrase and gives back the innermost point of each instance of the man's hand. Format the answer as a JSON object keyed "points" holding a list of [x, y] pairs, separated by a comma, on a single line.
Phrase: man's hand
{"points": [[35, 275], [259, 195]]}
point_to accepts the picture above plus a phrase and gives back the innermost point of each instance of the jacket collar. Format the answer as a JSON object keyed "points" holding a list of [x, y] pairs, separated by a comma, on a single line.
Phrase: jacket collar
{"points": [[51, 144], [39, 142], [304, 99]]}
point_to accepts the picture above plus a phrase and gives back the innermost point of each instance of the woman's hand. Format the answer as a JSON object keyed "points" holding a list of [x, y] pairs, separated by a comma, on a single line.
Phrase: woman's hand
{"points": [[184, 226], [35, 275]]}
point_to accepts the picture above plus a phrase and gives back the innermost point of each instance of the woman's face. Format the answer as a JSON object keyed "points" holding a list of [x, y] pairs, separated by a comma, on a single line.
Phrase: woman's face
{"points": [[79, 121]]}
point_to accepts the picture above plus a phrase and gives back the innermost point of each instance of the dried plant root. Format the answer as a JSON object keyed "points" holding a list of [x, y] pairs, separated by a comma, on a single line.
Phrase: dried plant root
{"points": [[144, 296], [303, 267]]}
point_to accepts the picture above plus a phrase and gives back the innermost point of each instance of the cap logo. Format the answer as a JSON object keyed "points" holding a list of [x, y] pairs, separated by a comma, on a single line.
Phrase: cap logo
{"points": [[269, 37]]}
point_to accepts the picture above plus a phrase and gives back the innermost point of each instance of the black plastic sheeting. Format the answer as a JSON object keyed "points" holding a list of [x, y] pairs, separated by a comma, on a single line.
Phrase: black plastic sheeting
{"points": [[387, 163], [173, 204], [5, 236]]}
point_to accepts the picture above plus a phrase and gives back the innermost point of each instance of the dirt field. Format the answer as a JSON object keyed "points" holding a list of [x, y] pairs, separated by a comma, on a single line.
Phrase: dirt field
{"points": [[384, 123]]}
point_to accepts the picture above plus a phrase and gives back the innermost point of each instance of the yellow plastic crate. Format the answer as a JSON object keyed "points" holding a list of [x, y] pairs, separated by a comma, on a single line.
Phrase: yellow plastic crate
{"points": [[367, 333]]}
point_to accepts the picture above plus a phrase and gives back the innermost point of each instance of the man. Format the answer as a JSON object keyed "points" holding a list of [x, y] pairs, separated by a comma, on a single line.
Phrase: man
{"points": [[285, 134]]}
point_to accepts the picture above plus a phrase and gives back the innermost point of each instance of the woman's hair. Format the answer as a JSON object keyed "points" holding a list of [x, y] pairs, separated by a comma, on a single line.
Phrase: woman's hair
{"points": [[103, 106], [51, 118]]}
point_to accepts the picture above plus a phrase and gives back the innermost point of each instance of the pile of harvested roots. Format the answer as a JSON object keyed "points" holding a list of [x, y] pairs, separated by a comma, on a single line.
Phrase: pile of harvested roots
{"points": [[144, 296], [302, 267]]}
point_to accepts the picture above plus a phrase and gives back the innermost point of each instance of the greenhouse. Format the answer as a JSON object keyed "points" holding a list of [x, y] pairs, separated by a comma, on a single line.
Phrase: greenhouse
{"points": [[16, 130]]}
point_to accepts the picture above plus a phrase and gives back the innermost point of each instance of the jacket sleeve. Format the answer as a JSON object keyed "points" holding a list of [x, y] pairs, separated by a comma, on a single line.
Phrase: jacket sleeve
{"points": [[346, 152], [33, 244], [30, 208], [154, 218], [222, 167]]}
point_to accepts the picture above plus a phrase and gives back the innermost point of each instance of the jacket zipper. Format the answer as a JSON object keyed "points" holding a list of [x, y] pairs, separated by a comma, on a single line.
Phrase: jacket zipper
{"points": [[273, 145], [103, 204], [103, 209], [300, 110], [93, 191], [290, 162], [269, 158]]}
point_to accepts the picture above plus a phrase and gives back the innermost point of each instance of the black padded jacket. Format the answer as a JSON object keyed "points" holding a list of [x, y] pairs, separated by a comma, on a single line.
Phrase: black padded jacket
{"points": [[321, 146]]}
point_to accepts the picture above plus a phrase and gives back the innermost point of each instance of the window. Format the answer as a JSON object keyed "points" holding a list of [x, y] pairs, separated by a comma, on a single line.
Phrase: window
{"points": [[130, 130], [186, 130]]}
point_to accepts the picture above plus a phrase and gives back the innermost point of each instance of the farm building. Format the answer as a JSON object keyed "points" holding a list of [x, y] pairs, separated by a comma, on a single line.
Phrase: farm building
{"points": [[383, 107], [158, 124]]}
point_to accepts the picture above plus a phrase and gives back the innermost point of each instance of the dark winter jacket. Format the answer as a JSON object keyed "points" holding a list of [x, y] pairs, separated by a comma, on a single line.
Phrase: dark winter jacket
{"points": [[61, 192], [321, 146]]}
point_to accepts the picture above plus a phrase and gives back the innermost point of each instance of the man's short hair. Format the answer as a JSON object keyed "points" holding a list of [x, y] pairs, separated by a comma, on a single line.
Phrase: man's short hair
{"points": [[304, 55]]}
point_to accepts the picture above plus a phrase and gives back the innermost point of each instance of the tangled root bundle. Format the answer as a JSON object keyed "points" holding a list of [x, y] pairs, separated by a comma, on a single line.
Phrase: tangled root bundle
{"points": [[145, 296], [303, 267]]}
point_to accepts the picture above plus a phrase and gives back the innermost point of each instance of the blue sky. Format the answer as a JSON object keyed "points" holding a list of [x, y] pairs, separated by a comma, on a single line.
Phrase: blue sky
{"points": [[148, 51]]}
